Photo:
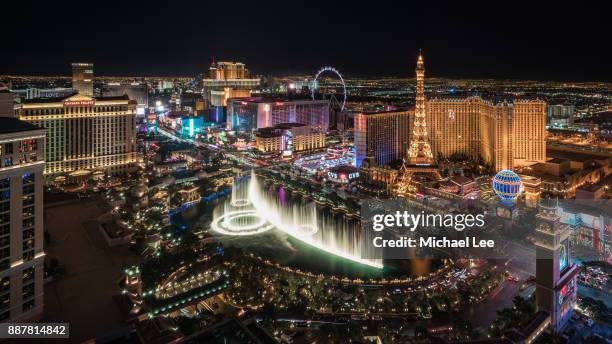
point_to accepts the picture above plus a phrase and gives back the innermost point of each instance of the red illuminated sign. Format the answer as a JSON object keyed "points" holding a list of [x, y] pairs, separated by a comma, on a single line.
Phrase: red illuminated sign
{"points": [[79, 102]]}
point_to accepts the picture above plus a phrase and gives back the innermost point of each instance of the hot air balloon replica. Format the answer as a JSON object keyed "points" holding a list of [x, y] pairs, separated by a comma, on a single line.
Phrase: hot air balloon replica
{"points": [[507, 186]]}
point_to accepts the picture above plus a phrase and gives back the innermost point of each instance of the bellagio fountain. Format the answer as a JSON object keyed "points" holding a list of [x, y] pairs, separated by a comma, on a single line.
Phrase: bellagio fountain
{"points": [[255, 208]]}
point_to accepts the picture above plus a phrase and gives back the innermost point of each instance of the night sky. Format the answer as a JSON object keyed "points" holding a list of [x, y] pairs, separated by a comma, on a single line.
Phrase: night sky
{"points": [[467, 39]]}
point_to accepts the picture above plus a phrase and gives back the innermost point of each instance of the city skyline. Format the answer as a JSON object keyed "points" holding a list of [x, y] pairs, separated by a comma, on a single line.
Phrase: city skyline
{"points": [[311, 178], [533, 43]]}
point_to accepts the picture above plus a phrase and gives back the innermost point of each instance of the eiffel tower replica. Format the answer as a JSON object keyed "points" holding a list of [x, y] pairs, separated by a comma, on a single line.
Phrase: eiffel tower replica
{"points": [[420, 159]]}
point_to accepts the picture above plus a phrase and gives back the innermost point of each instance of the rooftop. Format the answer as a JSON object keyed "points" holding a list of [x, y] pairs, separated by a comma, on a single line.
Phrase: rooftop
{"points": [[575, 155], [122, 97], [492, 98], [13, 125], [268, 132], [276, 130], [461, 180], [389, 111], [289, 125], [60, 99], [591, 187], [557, 161], [280, 99]]}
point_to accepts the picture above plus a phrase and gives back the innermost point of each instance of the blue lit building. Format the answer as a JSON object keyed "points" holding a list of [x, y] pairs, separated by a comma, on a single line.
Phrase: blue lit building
{"points": [[190, 126], [383, 136], [215, 114]]}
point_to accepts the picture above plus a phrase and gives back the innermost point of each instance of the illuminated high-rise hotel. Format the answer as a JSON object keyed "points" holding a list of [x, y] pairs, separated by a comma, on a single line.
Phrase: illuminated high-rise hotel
{"points": [[85, 135], [82, 78], [227, 80], [382, 136], [227, 71], [22, 147], [505, 135], [419, 152]]}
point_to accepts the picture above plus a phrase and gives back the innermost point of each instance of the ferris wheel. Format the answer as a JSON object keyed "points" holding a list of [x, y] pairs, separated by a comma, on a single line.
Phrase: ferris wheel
{"points": [[334, 71]]}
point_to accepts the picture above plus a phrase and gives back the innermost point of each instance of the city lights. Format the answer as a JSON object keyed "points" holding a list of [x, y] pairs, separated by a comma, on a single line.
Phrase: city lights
{"points": [[289, 173]]}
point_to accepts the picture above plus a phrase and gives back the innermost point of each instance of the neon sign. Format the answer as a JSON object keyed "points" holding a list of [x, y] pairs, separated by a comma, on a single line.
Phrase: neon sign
{"points": [[79, 102]]}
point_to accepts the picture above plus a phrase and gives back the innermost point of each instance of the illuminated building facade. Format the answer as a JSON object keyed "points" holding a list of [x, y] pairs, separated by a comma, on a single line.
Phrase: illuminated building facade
{"points": [[591, 225], [227, 70], [556, 285], [560, 115], [248, 114], [454, 188], [189, 195], [22, 150], [343, 174], [82, 78], [269, 141], [288, 138], [505, 135], [376, 180], [227, 80], [295, 85], [532, 188], [382, 136], [561, 177], [190, 126], [84, 134]]}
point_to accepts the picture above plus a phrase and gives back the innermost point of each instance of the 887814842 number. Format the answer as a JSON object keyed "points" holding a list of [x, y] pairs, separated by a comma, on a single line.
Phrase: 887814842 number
{"points": [[34, 330]]}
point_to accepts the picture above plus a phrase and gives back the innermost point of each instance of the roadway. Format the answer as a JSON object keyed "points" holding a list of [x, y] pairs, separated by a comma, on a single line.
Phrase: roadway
{"points": [[241, 159]]}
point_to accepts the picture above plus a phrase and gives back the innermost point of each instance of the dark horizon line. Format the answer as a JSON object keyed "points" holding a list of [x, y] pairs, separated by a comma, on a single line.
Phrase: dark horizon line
{"points": [[346, 76]]}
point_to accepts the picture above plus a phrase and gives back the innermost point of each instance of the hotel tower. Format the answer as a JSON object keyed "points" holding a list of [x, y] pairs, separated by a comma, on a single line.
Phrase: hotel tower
{"points": [[22, 147], [85, 136], [506, 134], [82, 78]]}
